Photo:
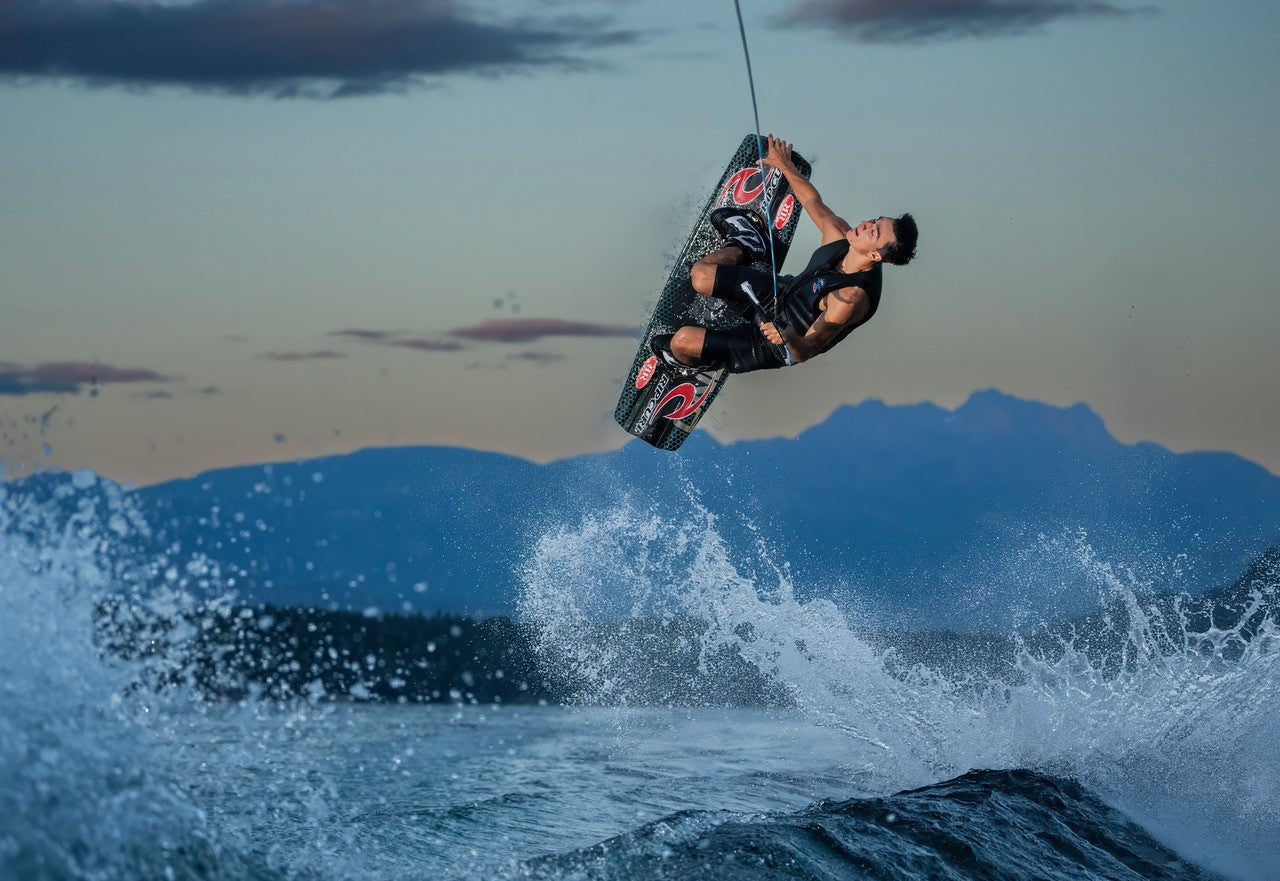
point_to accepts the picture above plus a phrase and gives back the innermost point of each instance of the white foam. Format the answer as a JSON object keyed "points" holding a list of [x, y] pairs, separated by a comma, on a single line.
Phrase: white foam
{"points": [[1177, 735]]}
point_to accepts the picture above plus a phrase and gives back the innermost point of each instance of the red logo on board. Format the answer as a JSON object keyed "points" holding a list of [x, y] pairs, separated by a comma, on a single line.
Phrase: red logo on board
{"points": [[686, 393], [784, 211], [646, 371], [742, 193]]}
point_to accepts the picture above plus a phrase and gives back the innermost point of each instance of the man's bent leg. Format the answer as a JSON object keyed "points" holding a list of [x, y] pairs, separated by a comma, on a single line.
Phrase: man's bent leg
{"points": [[741, 288], [686, 345], [741, 350], [680, 349], [703, 273]]}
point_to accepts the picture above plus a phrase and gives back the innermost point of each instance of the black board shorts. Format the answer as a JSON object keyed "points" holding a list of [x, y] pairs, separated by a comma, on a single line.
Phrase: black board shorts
{"points": [[743, 348]]}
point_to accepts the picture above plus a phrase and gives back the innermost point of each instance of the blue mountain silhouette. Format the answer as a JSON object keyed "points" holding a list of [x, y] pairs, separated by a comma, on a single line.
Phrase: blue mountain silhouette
{"points": [[938, 518]]}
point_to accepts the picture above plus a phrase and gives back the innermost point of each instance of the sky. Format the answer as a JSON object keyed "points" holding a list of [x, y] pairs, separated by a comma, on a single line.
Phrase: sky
{"points": [[237, 231]]}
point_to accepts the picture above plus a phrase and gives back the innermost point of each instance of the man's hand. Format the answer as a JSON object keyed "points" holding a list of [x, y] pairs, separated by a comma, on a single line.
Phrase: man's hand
{"points": [[779, 155], [786, 337]]}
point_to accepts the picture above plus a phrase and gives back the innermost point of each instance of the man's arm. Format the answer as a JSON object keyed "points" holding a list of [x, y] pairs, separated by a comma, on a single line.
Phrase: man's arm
{"points": [[829, 224], [843, 306]]}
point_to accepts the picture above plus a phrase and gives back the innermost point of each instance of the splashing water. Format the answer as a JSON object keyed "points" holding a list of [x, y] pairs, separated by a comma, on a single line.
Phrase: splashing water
{"points": [[87, 784], [76, 796], [104, 774], [1170, 725]]}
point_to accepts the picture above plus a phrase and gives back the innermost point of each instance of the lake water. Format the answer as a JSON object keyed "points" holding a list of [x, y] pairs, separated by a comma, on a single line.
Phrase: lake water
{"points": [[1162, 767]]}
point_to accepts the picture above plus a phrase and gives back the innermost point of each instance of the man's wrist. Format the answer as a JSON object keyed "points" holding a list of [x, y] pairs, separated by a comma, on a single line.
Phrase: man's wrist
{"points": [[791, 338]]}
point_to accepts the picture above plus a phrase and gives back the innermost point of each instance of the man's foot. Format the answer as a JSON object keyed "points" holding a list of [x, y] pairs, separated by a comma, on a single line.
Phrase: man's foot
{"points": [[744, 229]]}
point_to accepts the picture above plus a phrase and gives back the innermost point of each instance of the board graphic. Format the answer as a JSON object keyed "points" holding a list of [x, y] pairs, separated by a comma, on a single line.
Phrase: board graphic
{"points": [[662, 405]]}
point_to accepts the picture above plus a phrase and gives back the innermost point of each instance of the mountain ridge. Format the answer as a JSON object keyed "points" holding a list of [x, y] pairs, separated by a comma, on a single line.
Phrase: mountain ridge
{"points": [[965, 516]]}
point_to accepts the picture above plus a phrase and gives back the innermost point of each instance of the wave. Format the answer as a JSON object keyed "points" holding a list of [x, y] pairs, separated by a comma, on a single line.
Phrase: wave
{"points": [[984, 825], [1175, 731]]}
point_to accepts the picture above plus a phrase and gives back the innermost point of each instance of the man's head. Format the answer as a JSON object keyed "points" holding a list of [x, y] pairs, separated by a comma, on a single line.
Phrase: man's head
{"points": [[891, 239]]}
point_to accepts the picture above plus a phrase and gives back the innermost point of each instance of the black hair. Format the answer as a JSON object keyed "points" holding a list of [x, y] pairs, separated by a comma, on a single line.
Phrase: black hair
{"points": [[901, 251]]}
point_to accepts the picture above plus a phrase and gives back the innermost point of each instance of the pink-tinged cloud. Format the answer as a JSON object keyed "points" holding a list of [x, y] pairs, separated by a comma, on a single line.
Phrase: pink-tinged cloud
{"points": [[323, 354], [925, 21], [429, 345], [527, 330]]}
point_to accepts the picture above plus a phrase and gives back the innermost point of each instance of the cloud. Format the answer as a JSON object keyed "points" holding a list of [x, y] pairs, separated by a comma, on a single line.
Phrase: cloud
{"points": [[323, 354], [284, 48], [392, 338], [429, 345], [927, 21], [495, 330], [158, 395], [17, 384], [68, 377], [370, 335], [527, 330], [94, 373]]}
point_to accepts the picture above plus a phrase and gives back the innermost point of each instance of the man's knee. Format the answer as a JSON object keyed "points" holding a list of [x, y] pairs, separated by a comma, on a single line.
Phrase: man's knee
{"points": [[686, 344], [703, 277]]}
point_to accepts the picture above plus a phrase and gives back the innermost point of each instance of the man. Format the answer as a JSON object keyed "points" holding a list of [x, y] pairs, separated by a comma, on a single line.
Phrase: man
{"points": [[838, 291]]}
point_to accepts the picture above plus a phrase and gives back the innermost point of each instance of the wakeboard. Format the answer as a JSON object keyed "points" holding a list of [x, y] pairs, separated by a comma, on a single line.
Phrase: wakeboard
{"points": [[661, 404]]}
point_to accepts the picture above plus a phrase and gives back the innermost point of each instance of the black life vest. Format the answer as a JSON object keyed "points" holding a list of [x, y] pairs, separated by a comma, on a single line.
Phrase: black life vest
{"points": [[805, 291]]}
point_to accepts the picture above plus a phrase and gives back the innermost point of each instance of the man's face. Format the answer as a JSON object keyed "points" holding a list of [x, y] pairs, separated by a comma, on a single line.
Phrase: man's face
{"points": [[868, 237]]}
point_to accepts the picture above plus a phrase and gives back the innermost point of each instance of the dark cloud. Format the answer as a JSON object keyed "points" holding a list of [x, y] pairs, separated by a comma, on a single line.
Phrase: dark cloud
{"points": [[158, 395], [209, 390], [924, 21], [21, 384], [18, 380], [527, 330], [429, 345], [372, 336], [321, 355], [283, 48], [68, 377], [94, 373]]}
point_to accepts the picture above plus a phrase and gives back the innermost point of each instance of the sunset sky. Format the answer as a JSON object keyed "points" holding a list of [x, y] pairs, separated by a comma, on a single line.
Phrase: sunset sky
{"points": [[239, 231]]}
